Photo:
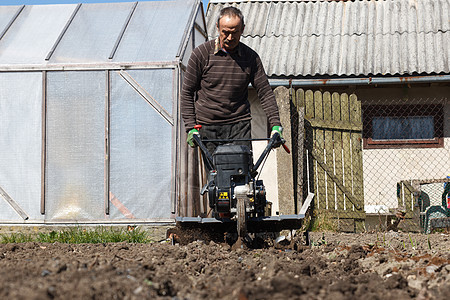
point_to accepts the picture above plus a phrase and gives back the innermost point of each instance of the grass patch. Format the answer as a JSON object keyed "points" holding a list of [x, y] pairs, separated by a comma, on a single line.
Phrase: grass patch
{"points": [[79, 235], [16, 238], [322, 222]]}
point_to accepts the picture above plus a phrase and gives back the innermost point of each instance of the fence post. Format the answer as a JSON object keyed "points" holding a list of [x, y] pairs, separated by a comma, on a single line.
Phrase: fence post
{"points": [[300, 154], [284, 160]]}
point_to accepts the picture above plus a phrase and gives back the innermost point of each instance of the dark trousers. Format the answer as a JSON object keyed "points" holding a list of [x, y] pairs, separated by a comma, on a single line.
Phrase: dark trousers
{"points": [[239, 130]]}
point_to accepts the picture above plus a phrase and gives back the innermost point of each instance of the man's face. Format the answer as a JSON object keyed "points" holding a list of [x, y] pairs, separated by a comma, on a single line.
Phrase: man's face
{"points": [[230, 31]]}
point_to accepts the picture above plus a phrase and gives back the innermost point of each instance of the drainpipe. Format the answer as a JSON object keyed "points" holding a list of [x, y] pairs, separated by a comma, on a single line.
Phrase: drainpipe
{"points": [[359, 81]]}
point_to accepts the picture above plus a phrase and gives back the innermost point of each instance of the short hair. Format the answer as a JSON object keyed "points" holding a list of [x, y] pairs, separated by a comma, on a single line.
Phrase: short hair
{"points": [[231, 11]]}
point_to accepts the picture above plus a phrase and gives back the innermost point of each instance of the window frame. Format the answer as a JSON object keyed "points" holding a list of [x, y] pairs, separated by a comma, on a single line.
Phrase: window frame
{"points": [[403, 110]]}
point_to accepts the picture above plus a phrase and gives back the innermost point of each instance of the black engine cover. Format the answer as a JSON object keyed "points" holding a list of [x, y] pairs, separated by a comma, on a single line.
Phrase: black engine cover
{"points": [[232, 163]]}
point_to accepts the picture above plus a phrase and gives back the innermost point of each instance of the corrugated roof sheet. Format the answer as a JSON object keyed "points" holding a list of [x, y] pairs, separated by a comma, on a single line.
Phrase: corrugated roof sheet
{"points": [[151, 35], [368, 37]]}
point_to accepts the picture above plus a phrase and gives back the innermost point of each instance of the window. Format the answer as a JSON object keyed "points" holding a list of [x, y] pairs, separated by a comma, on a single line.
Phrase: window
{"points": [[403, 126]]}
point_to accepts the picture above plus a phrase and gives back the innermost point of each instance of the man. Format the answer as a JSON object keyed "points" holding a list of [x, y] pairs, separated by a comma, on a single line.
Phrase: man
{"points": [[215, 87]]}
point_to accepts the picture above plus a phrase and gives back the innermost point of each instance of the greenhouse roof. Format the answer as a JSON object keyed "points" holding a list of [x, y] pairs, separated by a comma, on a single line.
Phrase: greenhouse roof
{"points": [[139, 33]]}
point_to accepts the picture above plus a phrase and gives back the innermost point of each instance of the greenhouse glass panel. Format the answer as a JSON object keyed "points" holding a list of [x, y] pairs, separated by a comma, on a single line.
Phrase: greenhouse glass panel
{"points": [[33, 33], [6, 15], [199, 38], [156, 83], [21, 143], [188, 50], [92, 33], [75, 148], [141, 143], [155, 32]]}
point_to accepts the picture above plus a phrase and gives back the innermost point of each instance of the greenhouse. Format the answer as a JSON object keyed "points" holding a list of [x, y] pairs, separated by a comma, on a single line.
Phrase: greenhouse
{"points": [[89, 102]]}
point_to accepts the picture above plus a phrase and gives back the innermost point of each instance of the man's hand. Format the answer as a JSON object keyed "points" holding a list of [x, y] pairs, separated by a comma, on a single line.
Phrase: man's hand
{"points": [[190, 137], [279, 141], [278, 129]]}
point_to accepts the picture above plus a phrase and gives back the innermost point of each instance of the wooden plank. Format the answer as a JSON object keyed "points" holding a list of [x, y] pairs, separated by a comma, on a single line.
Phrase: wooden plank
{"points": [[356, 139], [399, 194], [342, 214], [347, 164], [343, 188], [346, 225], [409, 207], [347, 178], [337, 136], [406, 191], [328, 159], [300, 157], [408, 186], [309, 105], [424, 181], [407, 194], [360, 225], [338, 125], [319, 147], [299, 98]]}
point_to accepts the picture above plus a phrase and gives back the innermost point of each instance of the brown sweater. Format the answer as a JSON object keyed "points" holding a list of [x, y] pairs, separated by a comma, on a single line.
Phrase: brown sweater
{"points": [[215, 86]]}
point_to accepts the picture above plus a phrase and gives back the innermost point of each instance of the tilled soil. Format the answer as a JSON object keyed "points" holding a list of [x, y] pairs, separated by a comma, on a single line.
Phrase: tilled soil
{"points": [[337, 266]]}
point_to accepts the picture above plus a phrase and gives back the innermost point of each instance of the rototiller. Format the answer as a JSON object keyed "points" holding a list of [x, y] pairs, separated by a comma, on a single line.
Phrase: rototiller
{"points": [[236, 195]]}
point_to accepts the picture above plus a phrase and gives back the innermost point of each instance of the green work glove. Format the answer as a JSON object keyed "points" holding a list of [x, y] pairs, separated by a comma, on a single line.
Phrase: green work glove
{"points": [[278, 129], [190, 137]]}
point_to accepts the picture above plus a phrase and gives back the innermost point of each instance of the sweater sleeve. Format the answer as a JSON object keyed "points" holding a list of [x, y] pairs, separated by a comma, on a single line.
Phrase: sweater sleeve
{"points": [[265, 94], [191, 84]]}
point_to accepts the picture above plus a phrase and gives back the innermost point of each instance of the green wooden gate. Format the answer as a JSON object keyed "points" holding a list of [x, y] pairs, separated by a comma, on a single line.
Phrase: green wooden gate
{"points": [[333, 142]]}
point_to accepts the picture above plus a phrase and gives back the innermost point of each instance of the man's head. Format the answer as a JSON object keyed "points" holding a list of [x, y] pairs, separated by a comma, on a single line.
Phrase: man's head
{"points": [[230, 25]]}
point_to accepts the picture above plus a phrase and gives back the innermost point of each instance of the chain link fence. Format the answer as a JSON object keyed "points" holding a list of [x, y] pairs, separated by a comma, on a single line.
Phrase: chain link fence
{"points": [[377, 158], [406, 146]]}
